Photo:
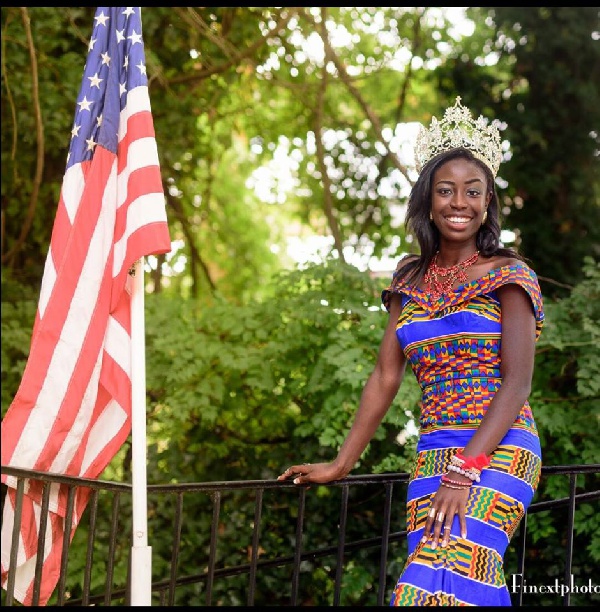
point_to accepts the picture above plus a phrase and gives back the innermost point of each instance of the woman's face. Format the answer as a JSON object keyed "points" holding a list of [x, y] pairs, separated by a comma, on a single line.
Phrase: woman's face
{"points": [[459, 200]]}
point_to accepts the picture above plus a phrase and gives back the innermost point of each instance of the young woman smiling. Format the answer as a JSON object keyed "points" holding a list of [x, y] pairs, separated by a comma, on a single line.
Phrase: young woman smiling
{"points": [[465, 314]]}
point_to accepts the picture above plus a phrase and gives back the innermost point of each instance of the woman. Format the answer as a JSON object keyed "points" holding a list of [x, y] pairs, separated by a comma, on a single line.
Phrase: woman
{"points": [[466, 314]]}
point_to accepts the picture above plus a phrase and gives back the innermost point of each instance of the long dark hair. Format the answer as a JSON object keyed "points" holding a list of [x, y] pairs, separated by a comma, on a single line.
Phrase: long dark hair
{"points": [[418, 224]]}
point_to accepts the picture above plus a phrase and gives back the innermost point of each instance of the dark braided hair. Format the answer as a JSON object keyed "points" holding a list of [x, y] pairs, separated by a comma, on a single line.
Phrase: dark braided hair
{"points": [[417, 220]]}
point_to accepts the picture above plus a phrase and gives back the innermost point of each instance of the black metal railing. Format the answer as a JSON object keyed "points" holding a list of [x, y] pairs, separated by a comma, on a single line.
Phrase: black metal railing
{"points": [[108, 530]]}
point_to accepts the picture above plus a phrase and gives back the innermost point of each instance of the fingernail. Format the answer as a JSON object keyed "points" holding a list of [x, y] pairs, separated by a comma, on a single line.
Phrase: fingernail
{"points": [[296, 480], [444, 543], [463, 535], [423, 539], [433, 545]]}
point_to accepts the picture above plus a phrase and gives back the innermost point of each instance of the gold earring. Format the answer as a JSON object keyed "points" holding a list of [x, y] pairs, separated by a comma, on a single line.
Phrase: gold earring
{"points": [[484, 218]]}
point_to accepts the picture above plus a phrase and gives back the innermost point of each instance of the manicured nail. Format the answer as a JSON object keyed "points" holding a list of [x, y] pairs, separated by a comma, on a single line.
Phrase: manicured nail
{"points": [[433, 546], [463, 535], [444, 543], [296, 480], [423, 539]]}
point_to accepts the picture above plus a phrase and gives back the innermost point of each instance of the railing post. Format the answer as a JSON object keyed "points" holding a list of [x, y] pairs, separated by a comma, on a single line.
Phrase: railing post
{"points": [[570, 530], [521, 537], [385, 541], [298, 548], [341, 546]]}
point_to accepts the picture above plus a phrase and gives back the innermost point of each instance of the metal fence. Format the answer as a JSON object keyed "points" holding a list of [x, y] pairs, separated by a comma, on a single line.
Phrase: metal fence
{"points": [[254, 576]]}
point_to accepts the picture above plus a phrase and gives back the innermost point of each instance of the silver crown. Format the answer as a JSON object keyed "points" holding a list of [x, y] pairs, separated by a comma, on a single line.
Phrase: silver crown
{"points": [[458, 129]]}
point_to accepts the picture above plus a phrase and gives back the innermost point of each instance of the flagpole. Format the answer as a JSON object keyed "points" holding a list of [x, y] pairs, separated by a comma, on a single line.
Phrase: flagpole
{"points": [[141, 553]]}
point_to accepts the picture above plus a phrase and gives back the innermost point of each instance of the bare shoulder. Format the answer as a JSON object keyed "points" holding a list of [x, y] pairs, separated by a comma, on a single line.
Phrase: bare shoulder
{"points": [[497, 262], [501, 261], [406, 261], [511, 261]]}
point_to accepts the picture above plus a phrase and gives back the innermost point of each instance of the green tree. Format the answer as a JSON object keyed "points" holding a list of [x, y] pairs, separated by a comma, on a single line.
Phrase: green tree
{"points": [[553, 114], [245, 365], [565, 400], [242, 84]]}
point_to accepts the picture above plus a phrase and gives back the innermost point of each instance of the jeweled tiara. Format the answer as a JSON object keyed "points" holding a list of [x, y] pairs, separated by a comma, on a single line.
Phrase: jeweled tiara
{"points": [[458, 129]]}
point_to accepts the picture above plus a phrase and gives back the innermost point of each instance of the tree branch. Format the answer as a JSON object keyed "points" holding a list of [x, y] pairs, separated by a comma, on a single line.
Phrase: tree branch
{"points": [[235, 57], [345, 78], [8, 257], [318, 127], [196, 257]]}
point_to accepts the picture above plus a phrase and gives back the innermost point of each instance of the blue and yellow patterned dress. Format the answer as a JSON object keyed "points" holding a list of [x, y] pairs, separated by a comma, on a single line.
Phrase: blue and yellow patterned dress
{"points": [[453, 347]]}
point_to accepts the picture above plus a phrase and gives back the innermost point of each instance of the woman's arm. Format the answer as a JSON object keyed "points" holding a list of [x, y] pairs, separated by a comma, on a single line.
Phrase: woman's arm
{"points": [[377, 396], [516, 369]]}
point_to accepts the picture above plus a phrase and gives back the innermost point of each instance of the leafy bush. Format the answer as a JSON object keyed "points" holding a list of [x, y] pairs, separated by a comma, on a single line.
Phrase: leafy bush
{"points": [[239, 392]]}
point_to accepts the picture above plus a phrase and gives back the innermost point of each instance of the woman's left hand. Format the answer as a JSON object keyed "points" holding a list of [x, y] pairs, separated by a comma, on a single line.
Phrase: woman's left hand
{"points": [[445, 504]]}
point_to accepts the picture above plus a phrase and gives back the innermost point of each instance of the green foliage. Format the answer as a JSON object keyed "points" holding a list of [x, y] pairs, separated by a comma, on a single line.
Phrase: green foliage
{"points": [[227, 99], [565, 400], [242, 383], [248, 371], [296, 384], [552, 117], [238, 392], [235, 390], [58, 38], [223, 210], [566, 388], [18, 314]]}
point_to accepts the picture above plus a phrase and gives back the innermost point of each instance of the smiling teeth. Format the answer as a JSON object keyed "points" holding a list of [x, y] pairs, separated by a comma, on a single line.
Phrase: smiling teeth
{"points": [[458, 219]]}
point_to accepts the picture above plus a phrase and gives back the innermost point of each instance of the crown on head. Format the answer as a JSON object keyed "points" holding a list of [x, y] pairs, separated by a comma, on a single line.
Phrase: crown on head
{"points": [[458, 129]]}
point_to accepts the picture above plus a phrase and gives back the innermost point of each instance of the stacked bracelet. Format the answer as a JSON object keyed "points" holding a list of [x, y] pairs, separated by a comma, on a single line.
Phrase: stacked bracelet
{"points": [[468, 466], [445, 484], [454, 484], [472, 473]]}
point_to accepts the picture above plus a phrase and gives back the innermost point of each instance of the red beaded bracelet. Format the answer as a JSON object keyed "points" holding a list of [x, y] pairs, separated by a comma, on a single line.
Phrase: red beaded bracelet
{"points": [[458, 483]]}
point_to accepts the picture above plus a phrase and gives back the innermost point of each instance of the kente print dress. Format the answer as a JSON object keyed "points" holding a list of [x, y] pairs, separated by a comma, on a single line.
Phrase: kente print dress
{"points": [[453, 347]]}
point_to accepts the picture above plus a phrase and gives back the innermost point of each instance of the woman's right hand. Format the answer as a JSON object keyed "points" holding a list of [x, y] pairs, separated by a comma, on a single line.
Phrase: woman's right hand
{"points": [[306, 473]]}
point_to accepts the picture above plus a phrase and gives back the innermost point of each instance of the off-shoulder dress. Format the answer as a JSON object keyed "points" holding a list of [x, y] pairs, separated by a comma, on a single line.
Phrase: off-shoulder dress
{"points": [[453, 345]]}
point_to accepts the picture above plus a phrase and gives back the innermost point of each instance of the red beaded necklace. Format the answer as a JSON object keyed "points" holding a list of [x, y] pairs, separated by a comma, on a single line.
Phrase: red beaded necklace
{"points": [[439, 281]]}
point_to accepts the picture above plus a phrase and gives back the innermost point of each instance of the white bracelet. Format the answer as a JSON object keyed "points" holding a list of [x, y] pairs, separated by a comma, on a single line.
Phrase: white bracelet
{"points": [[474, 476]]}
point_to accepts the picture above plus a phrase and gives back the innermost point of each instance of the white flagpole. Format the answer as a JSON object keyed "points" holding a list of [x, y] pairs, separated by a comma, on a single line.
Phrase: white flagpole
{"points": [[141, 553]]}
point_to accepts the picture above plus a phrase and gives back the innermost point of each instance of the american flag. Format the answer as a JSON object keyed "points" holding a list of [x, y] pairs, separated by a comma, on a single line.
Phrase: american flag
{"points": [[72, 411]]}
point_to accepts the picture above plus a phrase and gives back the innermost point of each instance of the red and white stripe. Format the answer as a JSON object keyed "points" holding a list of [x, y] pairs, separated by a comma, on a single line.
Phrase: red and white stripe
{"points": [[72, 411]]}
